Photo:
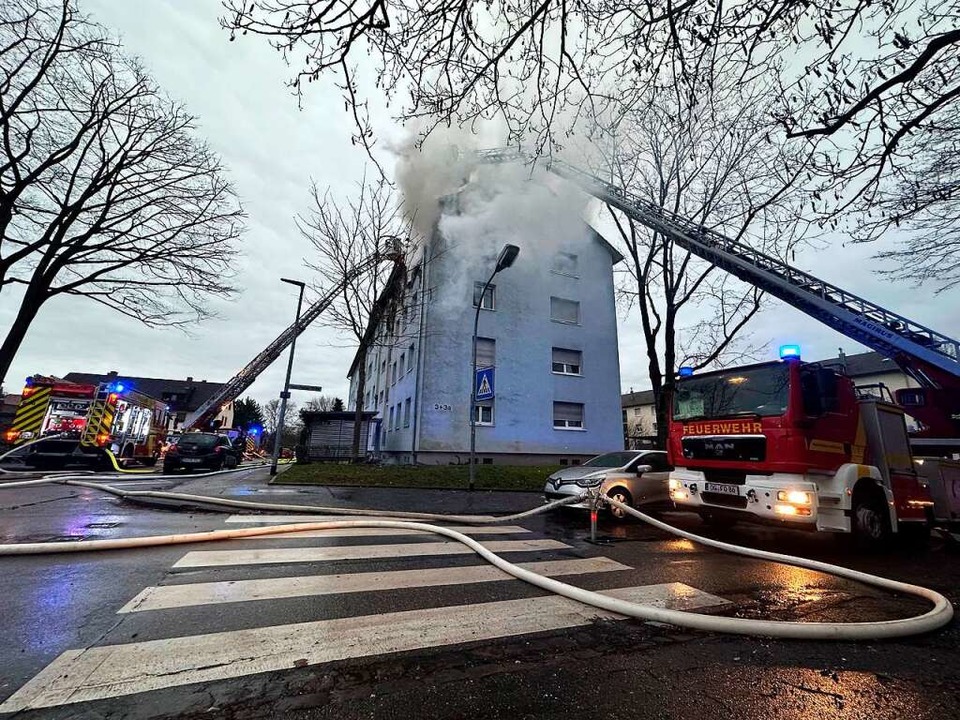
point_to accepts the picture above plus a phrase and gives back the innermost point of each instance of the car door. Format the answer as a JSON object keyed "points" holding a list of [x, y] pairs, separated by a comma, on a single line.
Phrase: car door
{"points": [[654, 484], [228, 449]]}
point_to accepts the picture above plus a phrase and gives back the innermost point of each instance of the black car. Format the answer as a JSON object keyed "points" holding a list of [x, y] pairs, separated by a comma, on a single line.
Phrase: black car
{"points": [[208, 451]]}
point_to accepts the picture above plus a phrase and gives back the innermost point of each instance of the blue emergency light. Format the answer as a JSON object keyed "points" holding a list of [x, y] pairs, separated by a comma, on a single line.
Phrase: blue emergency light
{"points": [[789, 352], [685, 371]]}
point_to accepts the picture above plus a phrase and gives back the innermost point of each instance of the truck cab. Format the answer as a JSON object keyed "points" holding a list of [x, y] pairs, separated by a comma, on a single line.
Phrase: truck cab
{"points": [[791, 442]]}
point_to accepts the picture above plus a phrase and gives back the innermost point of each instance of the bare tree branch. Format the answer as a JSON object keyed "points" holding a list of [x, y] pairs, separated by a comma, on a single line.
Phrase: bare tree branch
{"points": [[104, 191]]}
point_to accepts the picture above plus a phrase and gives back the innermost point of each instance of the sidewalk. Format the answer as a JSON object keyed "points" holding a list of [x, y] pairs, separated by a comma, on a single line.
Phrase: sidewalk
{"points": [[255, 487]]}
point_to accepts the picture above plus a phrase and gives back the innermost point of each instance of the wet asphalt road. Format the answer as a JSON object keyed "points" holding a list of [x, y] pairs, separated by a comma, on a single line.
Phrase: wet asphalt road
{"points": [[607, 669]]}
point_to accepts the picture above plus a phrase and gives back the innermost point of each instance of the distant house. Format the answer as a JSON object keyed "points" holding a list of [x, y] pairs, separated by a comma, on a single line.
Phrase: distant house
{"points": [[8, 409], [639, 420], [868, 368], [546, 341], [182, 397]]}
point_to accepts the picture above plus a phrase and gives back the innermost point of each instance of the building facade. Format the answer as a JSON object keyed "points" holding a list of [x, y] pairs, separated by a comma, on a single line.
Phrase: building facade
{"points": [[547, 329]]}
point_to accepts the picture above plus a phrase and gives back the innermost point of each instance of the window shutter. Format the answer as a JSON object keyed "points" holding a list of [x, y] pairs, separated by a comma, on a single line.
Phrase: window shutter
{"points": [[564, 310], [564, 413], [486, 352]]}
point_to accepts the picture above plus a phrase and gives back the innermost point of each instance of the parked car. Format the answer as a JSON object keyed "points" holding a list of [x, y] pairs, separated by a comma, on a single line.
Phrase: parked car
{"points": [[637, 478], [209, 451]]}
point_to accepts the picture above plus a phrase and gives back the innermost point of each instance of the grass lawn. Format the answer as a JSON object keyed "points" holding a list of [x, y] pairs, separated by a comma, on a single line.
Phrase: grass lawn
{"points": [[489, 477]]}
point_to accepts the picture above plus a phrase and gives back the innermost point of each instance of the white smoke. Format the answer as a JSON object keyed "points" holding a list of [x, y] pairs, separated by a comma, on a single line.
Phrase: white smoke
{"points": [[431, 170]]}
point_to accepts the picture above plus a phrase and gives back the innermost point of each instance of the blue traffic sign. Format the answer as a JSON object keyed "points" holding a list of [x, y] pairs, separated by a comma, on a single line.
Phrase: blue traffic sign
{"points": [[483, 387]]}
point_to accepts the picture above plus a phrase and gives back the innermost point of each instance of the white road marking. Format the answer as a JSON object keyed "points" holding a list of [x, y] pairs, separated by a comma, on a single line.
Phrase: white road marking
{"points": [[117, 670], [209, 558], [365, 532], [171, 596]]}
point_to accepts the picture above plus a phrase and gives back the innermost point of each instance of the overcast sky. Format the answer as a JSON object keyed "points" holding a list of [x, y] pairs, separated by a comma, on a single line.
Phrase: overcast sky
{"points": [[273, 149]]}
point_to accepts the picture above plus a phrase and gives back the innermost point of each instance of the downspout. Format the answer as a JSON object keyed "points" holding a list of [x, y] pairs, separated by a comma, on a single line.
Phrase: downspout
{"points": [[418, 385]]}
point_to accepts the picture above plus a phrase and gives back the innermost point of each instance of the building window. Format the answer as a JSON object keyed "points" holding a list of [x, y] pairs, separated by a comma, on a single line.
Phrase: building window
{"points": [[401, 364], [397, 426], [637, 412], [567, 362], [565, 264], [406, 413], [567, 415], [486, 352], [393, 373], [483, 413], [565, 311], [390, 424], [913, 398], [489, 297], [410, 359]]}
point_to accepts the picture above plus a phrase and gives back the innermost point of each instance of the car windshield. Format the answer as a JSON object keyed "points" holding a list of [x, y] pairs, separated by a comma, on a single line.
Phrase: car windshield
{"points": [[610, 460], [198, 441], [760, 391]]}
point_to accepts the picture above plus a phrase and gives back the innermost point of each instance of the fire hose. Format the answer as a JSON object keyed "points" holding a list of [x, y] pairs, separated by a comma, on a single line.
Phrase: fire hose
{"points": [[938, 616]]}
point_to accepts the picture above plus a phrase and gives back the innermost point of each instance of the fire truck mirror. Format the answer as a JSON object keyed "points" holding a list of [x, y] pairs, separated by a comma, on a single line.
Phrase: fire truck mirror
{"points": [[810, 390]]}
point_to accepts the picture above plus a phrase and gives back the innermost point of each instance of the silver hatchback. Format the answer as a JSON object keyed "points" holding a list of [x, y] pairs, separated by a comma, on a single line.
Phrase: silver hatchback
{"points": [[630, 476]]}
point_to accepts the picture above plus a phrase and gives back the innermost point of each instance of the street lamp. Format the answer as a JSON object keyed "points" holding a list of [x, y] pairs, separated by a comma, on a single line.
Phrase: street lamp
{"points": [[286, 385], [504, 260]]}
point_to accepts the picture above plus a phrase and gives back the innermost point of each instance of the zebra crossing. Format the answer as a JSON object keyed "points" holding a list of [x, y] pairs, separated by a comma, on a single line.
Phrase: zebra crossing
{"points": [[332, 582]]}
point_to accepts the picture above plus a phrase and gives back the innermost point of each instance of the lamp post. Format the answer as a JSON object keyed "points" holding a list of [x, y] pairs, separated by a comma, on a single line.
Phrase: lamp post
{"points": [[504, 260], [286, 384]]}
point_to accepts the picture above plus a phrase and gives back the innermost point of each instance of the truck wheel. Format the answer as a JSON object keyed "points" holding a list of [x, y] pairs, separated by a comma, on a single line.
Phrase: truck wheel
{"points": [[620, 495], [870, 520]]}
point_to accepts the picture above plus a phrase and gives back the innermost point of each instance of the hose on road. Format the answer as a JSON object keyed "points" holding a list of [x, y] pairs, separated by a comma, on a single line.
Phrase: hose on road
{"points": [[935, 618]]}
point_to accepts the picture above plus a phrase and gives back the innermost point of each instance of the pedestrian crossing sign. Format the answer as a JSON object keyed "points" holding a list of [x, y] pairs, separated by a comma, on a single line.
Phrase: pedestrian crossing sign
{"points": [[484, 384]]}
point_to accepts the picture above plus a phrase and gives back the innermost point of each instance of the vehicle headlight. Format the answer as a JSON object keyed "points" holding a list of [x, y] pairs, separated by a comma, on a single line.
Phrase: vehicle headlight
{"points": [[674, 484], [795, 497]]}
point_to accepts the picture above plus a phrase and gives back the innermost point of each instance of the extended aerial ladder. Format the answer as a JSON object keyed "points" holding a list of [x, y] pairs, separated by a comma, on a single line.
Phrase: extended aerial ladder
{"points": [[246, 377], [929, 357]]}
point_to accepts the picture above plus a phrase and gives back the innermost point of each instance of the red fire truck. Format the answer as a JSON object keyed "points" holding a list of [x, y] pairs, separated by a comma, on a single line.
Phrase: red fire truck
{"points": [[795, 443], [61, 423]]}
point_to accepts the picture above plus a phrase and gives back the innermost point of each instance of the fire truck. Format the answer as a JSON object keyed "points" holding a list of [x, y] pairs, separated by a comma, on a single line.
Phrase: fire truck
{"points": [[794, 442], [61, 423]]}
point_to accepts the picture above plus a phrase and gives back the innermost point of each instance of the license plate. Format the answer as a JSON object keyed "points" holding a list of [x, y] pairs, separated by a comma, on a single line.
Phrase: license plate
{"points": [[192, 460], [722, 488]]}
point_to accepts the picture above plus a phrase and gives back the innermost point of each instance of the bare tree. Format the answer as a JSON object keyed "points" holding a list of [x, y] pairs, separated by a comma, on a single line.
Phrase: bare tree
{"points": [[323, 403], [104, 191], [271, 421], [703, 155], [869, 84], [343, 235]]}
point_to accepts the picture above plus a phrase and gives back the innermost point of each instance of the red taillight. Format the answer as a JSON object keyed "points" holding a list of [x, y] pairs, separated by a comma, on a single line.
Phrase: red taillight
{"points": [[112, 398], [28, 391], [218, 449], [11, 435]]}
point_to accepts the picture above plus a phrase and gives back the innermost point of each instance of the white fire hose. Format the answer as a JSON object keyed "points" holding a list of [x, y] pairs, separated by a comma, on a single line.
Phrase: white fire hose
{"points": [[937, 617]]}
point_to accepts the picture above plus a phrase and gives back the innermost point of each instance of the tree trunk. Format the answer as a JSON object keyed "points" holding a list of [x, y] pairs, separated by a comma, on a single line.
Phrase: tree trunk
{"points": [[358, 399], [29, 308]]}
